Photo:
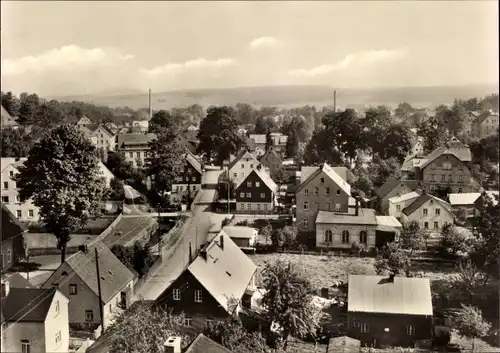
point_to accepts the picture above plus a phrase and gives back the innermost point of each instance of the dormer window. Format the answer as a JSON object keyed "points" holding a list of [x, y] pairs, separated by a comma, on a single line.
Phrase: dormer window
{"points": [[322, 180]]}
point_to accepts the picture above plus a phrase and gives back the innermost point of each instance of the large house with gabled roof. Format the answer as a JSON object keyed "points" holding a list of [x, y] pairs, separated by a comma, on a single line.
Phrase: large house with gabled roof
{"points": [[213, 286], [256, 193], [189, 182], [100, 135], [135, 147], [239, 168]]}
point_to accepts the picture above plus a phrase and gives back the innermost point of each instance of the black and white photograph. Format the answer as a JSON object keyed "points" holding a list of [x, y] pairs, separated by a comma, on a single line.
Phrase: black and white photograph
{"points": [[250, 176]]}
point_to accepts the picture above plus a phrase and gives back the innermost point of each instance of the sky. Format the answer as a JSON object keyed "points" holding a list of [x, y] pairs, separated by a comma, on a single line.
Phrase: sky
{"points": [[63, 48]]}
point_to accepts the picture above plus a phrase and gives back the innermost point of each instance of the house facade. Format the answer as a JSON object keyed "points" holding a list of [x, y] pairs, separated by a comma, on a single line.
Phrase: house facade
{"points": [[213, 285], [34, 325], [240, 167], [12, 242], [256, 193], [271, 160], [322, 190], [484, 125], [394, 188], [393, 311], [83, 121], [244, 237], [79, 284], [134, 146], [100, 135], [398, 203], [189, 182], [448, 172]]}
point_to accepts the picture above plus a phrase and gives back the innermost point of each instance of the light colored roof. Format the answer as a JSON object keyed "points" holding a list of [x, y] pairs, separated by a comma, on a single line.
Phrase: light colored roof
{"points": [[239, 232], [391, 184], [243, 154], [306, 172], [464, 199], [388, 221], [226, 273], [332, 174], [7, 161], [7, 119], [366, 216], [376, 294], [404, 197], [258, 138]]}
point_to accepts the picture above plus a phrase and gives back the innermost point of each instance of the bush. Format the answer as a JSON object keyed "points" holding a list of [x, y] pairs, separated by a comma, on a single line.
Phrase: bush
{"points": [[136, 257], [225, 222], [264, 248], [242, 223], [357, 248], [260, 223]]}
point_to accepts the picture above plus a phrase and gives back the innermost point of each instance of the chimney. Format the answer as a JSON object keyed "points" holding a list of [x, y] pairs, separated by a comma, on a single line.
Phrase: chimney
{"points": [[5, 288], [391, 277], [172, 345], [356, 211], [221, 242], [150, 106], [334, 101], [190, 253]]}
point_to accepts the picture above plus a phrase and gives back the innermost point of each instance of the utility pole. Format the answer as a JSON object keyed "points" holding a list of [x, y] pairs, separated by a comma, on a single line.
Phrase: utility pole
{"points": [[150, 106], [228, 195], [101, 308], [334, 101]]}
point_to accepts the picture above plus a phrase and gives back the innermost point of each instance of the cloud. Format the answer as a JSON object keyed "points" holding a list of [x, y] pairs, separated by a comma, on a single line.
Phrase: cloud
{"points": [[171, 69], [263, 42], [66, 57], [353, 61]]}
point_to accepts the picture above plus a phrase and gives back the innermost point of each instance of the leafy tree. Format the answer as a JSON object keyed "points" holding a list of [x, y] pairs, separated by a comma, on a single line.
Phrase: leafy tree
{"points": [[396, 143], [467, 279], [117, 189], [137, 257], [412, 237], [197, 112], [119, 166], [160, 120], [219, 135], [452, 241], [435, 132], [485, 149], [245, 113], [62, 177], [144, 329], [322, 148], [453, 119], [232, 335], [299, 125], [269, 140], [375, 127], [277, 238], [460, 215], [404, 110], [393, 259], [16, 142], [10, 103], [382, 170], [260, 125], [288, 300], [28, 107], [292, 145], [470, 324], [164, 162], [266, 232], [364, 184]]}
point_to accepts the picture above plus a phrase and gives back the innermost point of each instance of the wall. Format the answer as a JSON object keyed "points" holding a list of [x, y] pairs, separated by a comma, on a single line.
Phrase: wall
{"points": [[444, 217], [320, 201], [248, 164], [337, 230], [32, 331], [55, 322], [393, 207], [111, 309], [255, 207], [401, 189], [397, 328], [461, 177]]}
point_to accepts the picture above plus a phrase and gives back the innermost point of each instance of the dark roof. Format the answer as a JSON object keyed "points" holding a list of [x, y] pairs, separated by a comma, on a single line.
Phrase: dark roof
{"points": [[27, 304], [203, 344], [422, 199], [194, 161], [11, 226], [454, 147], [390, 185], [134, 139], [17, 281], [264, 177], [378, 294]]}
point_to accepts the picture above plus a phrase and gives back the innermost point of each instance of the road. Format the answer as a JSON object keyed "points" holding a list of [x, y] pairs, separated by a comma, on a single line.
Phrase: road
{"points": [[195, 233]]}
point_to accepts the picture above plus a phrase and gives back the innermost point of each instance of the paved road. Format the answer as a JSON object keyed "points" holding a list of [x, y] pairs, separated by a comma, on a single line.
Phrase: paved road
{"points": [[196, 231]]}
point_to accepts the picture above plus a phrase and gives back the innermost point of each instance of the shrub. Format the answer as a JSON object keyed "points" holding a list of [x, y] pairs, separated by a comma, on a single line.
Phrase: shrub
{"points": [[357, 248], [225, 222], [242, 223]]}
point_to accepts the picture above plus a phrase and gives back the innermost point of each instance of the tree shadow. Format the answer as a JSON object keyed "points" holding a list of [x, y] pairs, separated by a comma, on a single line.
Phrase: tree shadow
{"points": [[25, 267]]}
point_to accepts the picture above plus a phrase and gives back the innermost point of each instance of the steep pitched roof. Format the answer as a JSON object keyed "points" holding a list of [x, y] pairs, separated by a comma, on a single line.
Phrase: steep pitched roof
{"points": [[193, 161], [27, 304], [454, 147], [11, 226], [404, 197], [391, 184], [7, 119], [203, 344], [269, 152], [241, 155], [224, 273], [114, 274], [16, 280], [464, 199], [366, 216], [376, 294], [264, 177], [421, 200], [329, 172], [134, 139]]}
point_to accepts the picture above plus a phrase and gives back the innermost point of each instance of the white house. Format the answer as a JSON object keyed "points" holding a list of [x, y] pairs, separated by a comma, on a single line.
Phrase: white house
{"points": [[398, 203], [241, 166]]}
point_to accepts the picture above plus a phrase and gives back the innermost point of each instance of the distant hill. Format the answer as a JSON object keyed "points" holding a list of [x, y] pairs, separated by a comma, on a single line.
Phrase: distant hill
{"points": [[289, 96]]}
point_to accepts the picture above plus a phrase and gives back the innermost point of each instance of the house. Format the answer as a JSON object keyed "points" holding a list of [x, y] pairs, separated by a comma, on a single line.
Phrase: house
{"points": [[77, 279], [259, 140], [417, 146], [34, 320], [464, 201], [134, 146], [399, 202], [256, 193], [241, 166], [25, 210], [324, 190], [112, 127], [190, 180], [12, 239], [7, 120], [341, 230], [431, 212], [410, 166], [214, 285], [191, 127], [392, 188], [142, 125], [244, 237], [201, 344], [344, 172], [279, 141], [100, 135], [83, 121], [271, 160], [393, 311], [484, 125]]}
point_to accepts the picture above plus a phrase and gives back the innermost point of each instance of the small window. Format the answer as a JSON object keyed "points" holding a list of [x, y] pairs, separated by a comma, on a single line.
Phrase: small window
{"points": [[5, 199], [235, 175], [257, 184], [193, 178], [426, 225], [18, 199], [425, 211], [249, 206], [436, 225], [443, 177], [410, 330], [19, 214], [131, 154], [5, 184], [30, 214], [345, 236], [188, 321], [249, 184], [398, 207], [438, 211], [459, 190], [11, 173], [265, 207], [338, 207], [363, 237], [365, 328], [258, 207], [338, 192], [58, 337], [249, 194], [262, 195], [9, 255], [328, 236], [322, 180], [306, 223], [251, 166], [242, 165], [73, 289], [209, 321], [306, 191], [89, 315], [57, 307], [198, 296], [242, 206], [306, 205], [25, 346], [327, 191], [242, 194], [316, 191], [176, 294]]}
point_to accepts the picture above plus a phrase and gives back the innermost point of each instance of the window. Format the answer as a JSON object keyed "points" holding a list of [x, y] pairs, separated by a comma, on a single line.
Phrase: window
{"points": [[249, 194], [306, 223], [18, 199], [89, 315], [9, 255], [345, 236], [328, 236], [249, 206], [327, 191], [251, 166], [11, 173], [338, 206], [193, 178], [306, 191], [242, 194], [459, 190], [110, 308], [235, 175], [194, 187], [30, 213], [363, 237], [58, 337], [198, 296], [410, 330], [446, 165], [461, 178], [131, 154], [433, 166], [242, 206], [265, 207], [249, 184], [25, 346], [450, 177], [57, 307], [5, 184], [19, 214], [242, 165], [328, 206], [188, 321], [257, 183], [176, 294], [443, 177], [432, 177], [438, 211], [262, 195], [5, 199], [258, 207], [365, 328], [425, 211], [306, 205], [322, 180], [398, 207], [338, 192], [426, 225], [316, 191], [73, 289]]}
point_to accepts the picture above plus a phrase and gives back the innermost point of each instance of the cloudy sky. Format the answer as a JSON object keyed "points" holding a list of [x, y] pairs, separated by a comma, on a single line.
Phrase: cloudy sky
{"points": [[57, 48]]}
